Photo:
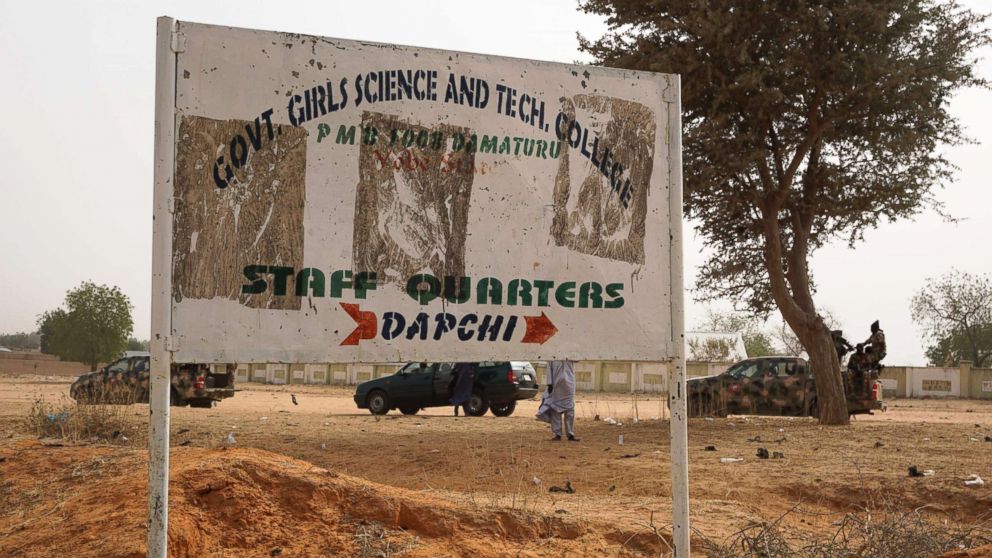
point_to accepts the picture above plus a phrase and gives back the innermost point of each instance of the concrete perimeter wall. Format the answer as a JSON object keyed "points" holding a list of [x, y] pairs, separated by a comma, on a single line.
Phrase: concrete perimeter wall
{"points": [[963, 381], [645, 377], [619, 377]]}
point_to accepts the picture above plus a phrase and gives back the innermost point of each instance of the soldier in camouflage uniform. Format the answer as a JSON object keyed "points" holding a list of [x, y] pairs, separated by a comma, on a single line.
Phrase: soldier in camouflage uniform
{"points": [[857, 365], [877, 345], [840, 344]]}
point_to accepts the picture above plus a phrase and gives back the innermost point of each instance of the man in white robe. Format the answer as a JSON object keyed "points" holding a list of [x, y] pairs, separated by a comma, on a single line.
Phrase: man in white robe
{"points": [[558, 402]]}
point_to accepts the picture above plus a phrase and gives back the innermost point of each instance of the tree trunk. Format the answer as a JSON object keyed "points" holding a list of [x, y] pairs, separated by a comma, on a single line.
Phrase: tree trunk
{"points": [[831, 400], [798, 311]]}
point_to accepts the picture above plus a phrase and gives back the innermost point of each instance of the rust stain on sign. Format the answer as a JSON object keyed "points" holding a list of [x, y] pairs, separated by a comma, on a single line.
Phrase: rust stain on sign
{"points": [[589, 216], [258, 217], [411, 210]]}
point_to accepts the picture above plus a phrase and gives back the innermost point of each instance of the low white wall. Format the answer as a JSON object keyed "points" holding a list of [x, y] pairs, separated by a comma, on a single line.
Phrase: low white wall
{"points": [[933, 382]]}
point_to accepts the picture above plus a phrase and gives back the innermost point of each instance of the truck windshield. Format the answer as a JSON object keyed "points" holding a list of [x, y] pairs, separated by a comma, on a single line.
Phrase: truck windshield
{"points": [[744, 369]]}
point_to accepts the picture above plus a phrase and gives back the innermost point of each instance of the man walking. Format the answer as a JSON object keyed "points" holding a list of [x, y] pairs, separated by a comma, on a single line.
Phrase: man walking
{"points": [[558, 402], [464, 373]]}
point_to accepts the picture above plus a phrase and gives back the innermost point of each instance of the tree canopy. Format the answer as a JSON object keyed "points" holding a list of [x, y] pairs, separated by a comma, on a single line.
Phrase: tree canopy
{"points": [[955, 313], [804, 122], [93, 325]]}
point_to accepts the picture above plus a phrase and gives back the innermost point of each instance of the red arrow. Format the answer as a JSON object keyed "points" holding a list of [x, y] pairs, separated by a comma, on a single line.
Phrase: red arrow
{"points": [[366, 328], [539, 329]]}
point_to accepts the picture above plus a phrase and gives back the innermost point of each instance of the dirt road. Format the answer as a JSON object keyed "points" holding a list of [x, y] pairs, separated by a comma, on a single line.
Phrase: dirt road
{"points": [[509, 463]]}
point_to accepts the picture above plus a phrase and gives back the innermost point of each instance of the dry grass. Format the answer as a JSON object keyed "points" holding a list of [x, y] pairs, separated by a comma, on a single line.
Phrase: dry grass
{"points": [[510, 477], [866, 534], [374, 541], [70, 421]]}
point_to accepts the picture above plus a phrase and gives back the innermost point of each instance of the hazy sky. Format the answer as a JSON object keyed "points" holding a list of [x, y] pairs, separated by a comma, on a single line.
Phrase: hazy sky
{"points": [[76, 157]]}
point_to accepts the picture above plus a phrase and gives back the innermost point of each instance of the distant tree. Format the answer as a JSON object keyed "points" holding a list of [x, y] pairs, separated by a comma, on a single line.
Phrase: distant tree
{"points": [[803, 123], [955, 312], [93, 326], [134, 344], [789, 343], [20, 340], [710, 350], [942, 353], [757, 342]]}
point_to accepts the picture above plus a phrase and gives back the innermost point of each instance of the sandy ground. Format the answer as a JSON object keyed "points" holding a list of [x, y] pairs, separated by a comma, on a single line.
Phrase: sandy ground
{"points": [[469, 466]]}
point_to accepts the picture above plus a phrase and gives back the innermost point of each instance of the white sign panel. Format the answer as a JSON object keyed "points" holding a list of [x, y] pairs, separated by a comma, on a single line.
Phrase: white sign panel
{"points": [[341, 201]]}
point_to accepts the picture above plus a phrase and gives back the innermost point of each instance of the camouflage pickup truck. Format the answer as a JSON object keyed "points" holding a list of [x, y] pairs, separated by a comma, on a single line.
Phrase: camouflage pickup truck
{"points": [[126, 380], [776, 385]]}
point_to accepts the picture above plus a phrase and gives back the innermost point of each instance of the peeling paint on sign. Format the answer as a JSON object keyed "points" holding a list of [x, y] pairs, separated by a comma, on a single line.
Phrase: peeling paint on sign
{"points": [[601, 189], [411, 213], [258, 216]]}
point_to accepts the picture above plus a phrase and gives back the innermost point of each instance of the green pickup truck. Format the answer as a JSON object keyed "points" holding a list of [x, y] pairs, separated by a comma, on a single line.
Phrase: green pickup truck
{"points": [[775, 385], [126, 381], [498, 386]]}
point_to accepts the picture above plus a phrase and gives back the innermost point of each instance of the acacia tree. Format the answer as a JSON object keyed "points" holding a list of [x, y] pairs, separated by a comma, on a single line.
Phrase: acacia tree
{"points": [[955, 312], [93, 327], [804, 122]]}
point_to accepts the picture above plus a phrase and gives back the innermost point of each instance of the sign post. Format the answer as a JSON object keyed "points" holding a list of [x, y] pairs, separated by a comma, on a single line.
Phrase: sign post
{"points": [[161, 359], [321, 200], [679, 423]]}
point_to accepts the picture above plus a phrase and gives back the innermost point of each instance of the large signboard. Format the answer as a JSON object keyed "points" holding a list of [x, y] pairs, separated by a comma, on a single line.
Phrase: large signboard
{"points": [[341, 201]]}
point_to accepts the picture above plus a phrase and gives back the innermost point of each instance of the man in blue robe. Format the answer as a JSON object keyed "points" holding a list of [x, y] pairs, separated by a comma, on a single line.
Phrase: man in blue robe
{"points": [[464, 373]]}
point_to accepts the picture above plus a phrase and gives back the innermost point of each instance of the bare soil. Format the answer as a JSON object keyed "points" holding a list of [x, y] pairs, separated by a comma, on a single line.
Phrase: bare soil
{"points": [[323, 478]]}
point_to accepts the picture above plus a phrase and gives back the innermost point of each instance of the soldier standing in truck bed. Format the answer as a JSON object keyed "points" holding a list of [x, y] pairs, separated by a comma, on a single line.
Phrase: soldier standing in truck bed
{"points": [[840, 344], [877, 344]]}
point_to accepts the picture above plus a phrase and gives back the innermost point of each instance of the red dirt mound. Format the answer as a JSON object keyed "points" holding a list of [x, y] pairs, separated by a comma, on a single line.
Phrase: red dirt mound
{"points": [[90, 501], [980, 552]]}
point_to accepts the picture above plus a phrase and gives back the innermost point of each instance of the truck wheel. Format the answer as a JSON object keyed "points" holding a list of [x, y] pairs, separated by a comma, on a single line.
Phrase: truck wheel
{"points": [[409, 410], [813, 410], [503, 409], [477, 405], [378, 402], [202, 403]]}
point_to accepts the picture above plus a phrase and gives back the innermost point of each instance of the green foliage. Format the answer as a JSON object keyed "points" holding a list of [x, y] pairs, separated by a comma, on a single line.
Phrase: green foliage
{"points": [[710, 350], [803, 121], [955, 312], [757, 342], [134, 344], [20, 340], [93, 327]]}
